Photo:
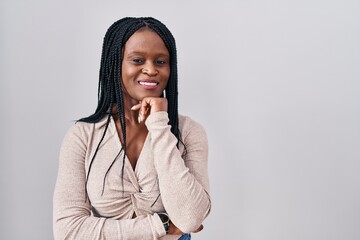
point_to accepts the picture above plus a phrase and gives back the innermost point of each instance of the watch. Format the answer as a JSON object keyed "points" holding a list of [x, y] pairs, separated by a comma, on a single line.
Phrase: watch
{"points": [[165, 220]]}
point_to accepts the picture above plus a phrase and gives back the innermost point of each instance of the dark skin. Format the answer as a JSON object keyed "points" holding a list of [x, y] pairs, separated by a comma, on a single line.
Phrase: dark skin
{"points": [[145, 73]]}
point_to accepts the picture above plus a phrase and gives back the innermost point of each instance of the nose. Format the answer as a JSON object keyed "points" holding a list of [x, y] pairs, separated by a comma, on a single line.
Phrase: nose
{"points": [[150, 69]]}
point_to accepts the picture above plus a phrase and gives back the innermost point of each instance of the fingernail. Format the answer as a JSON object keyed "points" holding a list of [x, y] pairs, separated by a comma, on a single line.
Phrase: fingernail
{"points": [[139, 118], [133, 107]]}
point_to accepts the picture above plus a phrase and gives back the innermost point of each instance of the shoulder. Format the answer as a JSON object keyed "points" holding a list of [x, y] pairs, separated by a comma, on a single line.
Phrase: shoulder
{"points": [[186, 122], [191, 128], [81, 132], [77, 136]]}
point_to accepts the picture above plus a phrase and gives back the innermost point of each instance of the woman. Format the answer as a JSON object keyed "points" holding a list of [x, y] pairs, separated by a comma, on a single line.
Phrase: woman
{"points": [[134, 169]]}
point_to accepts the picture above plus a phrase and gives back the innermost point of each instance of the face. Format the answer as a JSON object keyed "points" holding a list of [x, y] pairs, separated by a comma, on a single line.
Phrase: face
{"points": [[145, 66]]}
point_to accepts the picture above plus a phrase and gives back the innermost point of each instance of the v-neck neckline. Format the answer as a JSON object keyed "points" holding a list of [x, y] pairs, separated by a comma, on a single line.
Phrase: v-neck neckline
{"points": [[127, 161], [140, 155]]}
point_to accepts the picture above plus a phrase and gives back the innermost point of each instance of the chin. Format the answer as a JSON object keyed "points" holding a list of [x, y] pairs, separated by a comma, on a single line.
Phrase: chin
{"points": [[156, 95]]}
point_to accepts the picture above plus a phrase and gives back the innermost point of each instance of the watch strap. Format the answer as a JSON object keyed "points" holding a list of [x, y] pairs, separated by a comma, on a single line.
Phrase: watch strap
{"points": [[165, 220]]}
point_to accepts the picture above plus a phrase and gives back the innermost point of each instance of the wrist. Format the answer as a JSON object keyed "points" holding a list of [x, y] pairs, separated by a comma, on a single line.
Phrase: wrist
{"points": [[165, 220]]}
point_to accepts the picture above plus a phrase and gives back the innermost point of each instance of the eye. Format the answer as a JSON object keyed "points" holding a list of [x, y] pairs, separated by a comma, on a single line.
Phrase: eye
{"points": [[160, 62], [138, 60]]}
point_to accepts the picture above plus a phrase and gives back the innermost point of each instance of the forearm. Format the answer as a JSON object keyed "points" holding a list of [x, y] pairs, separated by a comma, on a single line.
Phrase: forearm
{"points": [[72, 218], [183, 184], [184, 199], [78, 226]]}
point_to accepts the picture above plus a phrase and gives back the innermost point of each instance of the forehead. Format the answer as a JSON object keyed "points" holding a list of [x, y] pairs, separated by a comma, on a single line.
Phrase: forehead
{"points": [[145, 40]]}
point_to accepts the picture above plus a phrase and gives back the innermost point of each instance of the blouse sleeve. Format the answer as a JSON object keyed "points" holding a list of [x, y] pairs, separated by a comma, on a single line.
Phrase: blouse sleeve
{"points": [[183, 183], [72, 217]]}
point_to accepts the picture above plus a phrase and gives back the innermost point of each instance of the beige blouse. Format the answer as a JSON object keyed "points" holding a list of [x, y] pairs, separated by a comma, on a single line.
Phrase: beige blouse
{"points": [[163, 181]]}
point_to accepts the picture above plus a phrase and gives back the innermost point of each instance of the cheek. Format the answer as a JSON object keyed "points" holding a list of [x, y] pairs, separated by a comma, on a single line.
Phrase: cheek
{"points": [[128, 73], [166, 74]]}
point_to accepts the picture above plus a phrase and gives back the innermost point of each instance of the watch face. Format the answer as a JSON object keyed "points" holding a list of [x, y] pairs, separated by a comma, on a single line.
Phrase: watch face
{"points": [[164, 218]]}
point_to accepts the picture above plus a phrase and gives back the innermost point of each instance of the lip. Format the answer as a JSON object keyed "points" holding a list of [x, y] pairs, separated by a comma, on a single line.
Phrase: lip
{"points": [[148, 84]]}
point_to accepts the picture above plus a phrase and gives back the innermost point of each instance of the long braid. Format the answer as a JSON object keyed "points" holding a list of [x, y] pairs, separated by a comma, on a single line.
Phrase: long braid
{"points": [[119, 96], [110, 83], [171, 88]]}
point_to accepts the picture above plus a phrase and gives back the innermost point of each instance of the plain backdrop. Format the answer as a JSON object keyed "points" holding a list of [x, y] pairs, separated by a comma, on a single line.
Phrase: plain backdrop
{"points": [[276, 84]]}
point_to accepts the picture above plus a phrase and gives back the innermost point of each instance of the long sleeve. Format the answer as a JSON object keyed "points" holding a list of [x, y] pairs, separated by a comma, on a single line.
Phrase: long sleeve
{"points": [[183, 183], [72, 218]]}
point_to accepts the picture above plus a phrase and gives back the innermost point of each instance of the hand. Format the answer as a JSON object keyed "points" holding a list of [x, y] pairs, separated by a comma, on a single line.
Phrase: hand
{"points": [[173, 230], [150, 105]]}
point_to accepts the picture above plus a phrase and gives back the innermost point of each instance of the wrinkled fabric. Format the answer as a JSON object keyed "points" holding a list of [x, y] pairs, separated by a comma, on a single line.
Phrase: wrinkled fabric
{"points": [[125, 206]]}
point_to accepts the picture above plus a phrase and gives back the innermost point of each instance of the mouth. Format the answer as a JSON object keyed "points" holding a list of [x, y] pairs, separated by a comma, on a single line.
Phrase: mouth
{"points": [[148, 84]]}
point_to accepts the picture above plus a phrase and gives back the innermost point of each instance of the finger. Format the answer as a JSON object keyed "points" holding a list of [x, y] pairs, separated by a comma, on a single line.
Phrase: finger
{"points": [[156, 104], [136, 107], [143, 110], [143, 115], [199, 229]]}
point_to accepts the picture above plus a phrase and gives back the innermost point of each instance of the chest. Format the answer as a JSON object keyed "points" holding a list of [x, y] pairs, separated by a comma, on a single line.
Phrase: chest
{"points": [[115, 195], [135, 139]]}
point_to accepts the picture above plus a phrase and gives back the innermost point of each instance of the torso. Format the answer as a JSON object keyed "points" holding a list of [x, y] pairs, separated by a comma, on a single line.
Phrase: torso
{"points": [[135, 138], [133, 192]]}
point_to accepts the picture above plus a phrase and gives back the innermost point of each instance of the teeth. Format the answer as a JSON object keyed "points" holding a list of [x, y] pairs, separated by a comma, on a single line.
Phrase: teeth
{"points": [[148, 83]]}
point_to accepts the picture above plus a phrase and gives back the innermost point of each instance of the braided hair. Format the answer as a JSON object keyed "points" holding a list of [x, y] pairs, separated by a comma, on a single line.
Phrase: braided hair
{"points": [[110, 84]]}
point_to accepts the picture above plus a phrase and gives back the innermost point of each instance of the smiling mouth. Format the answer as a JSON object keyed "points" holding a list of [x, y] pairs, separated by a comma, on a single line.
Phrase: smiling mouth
{"points": [[152, 84], [148, 84]]}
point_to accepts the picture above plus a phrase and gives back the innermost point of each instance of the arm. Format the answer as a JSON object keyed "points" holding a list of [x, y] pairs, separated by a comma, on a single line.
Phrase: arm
{"points": [[72, 217], [184, 184]]}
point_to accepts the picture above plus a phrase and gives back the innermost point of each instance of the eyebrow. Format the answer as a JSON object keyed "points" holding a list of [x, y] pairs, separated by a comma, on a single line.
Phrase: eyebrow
{"points": [[139, 52]]}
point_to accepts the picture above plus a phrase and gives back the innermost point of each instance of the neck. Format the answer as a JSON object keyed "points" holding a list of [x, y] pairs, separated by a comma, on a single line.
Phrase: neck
{"points": [[131, 116]]}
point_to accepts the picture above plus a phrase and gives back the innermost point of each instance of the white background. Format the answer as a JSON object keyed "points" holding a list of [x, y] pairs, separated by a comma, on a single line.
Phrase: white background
{"points": [[275, 83]]}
